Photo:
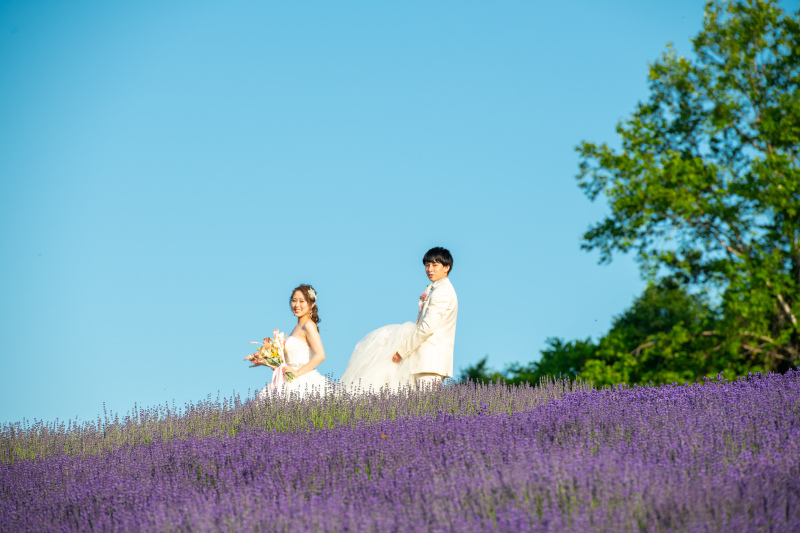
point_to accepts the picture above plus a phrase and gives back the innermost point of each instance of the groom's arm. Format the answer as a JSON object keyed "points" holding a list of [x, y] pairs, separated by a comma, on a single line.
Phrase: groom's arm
{"points": [[437, 308]]}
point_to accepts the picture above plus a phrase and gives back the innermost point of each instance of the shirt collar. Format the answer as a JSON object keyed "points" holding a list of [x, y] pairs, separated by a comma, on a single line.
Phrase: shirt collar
{"points": [[437, 283]]}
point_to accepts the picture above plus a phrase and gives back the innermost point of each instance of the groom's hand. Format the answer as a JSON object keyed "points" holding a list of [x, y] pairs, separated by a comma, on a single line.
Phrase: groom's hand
{"points": [[396, 357]]}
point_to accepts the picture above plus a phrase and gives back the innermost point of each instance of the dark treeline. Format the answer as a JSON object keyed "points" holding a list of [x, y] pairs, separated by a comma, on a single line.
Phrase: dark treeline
{"points": [[705, 191]]}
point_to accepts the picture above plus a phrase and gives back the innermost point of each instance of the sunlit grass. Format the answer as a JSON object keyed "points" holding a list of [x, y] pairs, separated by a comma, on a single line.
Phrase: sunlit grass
{"points": [[229, 416]]}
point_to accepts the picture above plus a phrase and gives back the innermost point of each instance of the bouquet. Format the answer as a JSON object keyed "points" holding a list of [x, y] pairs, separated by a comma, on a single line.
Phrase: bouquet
{"points": [[270, 352]]}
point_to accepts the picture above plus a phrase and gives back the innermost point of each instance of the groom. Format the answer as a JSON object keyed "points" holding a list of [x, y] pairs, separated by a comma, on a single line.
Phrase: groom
{"points": [[429, 348]]}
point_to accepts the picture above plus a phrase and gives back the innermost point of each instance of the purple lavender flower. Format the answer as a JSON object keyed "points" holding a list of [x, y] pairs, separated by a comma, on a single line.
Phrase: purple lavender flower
{"points": [[717, 456]]}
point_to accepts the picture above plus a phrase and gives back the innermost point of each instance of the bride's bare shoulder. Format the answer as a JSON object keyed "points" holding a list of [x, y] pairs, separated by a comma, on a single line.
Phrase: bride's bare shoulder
{"points": [[310, 328]]}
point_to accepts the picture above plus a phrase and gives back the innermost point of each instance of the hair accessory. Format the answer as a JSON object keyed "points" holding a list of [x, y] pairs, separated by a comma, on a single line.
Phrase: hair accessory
{"points": [[312, 293]]}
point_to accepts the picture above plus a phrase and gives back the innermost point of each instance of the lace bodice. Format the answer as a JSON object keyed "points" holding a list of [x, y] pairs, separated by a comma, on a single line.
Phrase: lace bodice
{"points": [[297, 352]]}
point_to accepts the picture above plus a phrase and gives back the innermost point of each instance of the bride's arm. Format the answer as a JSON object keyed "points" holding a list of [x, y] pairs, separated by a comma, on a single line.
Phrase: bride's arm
{"points": [[314, 340]]}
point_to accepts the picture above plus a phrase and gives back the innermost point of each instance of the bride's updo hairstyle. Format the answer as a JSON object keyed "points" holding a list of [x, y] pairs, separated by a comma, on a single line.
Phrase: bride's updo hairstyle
{"points": [[311, 297]]}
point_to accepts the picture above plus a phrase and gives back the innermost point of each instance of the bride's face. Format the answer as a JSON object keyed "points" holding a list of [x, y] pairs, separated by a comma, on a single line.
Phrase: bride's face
{"points": [[300, 306]]}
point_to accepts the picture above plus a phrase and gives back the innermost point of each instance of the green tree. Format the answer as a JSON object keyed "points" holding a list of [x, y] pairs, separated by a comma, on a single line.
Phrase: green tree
{"points": [[663, 337], [560, 358], [480, 372], [565, 359], [706, 188]]}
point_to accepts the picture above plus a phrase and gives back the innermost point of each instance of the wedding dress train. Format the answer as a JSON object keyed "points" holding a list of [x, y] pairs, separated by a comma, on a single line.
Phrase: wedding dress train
{"points": [[371, 366]]}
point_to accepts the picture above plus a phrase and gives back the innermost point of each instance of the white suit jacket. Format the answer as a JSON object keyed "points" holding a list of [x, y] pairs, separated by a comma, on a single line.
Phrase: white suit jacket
{"points": [[430, 347]]}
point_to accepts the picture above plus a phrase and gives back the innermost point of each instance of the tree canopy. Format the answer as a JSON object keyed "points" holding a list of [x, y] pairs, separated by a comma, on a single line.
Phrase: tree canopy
{"points": [[659, 338], [705, 190], [706, 185]]}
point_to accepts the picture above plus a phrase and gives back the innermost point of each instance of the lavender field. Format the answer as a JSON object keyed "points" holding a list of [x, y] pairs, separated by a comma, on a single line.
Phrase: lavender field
{"points": [[716, 456]]}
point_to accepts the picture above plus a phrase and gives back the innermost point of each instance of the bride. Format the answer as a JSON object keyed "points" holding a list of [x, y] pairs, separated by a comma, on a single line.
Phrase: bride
{"points": [[303, 350], [370, 366]]}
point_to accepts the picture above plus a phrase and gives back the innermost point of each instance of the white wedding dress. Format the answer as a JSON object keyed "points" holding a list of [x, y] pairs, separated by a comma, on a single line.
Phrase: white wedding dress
{"points": [[371, 366], [297, 353]]}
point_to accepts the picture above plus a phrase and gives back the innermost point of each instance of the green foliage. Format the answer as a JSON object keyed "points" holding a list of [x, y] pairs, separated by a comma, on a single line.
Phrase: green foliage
{"points": [[558, 359], [480, 373], [705, 190], [665, 336], [706, 186]]}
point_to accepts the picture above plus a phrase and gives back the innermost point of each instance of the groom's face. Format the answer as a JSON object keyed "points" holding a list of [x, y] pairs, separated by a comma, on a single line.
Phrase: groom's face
{"points": [[436, 271]]}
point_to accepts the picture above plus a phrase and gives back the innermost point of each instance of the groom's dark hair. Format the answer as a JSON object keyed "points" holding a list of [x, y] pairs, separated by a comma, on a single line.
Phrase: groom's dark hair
{"points": [[439, 255]]}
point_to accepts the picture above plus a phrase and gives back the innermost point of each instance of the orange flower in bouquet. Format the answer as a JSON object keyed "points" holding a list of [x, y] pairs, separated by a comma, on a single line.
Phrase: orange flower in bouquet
{"points": [[270, 352]]}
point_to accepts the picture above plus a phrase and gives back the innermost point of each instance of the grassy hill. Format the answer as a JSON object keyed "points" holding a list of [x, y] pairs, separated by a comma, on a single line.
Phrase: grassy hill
{"points": [[715, 456]]}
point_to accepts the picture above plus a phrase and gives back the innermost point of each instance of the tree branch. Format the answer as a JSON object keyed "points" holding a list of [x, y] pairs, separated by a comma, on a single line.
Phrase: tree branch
{"points": [[641, 347], [757, 336], [715, 232], [783, 305], [767, 340], [747, 138], [753, 350]]}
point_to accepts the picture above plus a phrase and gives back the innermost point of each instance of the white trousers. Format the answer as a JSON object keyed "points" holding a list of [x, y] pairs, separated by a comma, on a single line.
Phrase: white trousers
{"points": [[427, 380]]}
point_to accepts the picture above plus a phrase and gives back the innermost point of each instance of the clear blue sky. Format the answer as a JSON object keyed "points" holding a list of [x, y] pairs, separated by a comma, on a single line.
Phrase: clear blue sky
{"points": [[170, 170]]}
